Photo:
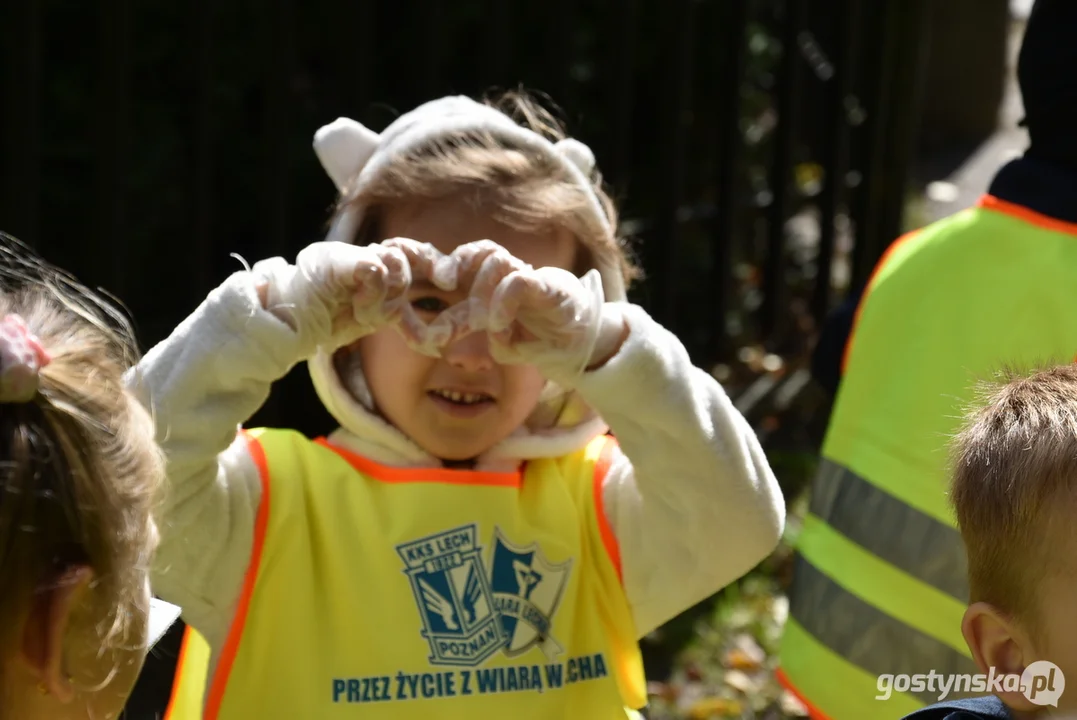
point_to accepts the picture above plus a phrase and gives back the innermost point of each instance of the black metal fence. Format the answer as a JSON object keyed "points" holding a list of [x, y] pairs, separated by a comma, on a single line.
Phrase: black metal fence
{"points": [[761, 146]]}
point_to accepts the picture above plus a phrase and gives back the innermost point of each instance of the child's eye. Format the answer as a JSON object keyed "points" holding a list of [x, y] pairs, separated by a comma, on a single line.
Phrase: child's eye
{"points": [[429, 304]]}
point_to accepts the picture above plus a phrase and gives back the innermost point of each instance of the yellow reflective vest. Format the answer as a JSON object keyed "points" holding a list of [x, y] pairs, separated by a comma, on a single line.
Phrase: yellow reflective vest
{"points": [[381, 592], [880, 578]]}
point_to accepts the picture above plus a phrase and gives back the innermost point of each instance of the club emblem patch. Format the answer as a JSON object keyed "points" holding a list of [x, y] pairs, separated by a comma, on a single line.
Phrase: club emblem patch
{"points": [[469, 611], [453, 595]]}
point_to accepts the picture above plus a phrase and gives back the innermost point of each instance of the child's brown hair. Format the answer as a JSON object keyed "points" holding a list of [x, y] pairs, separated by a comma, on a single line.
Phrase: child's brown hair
{"points": [[524, 189], [79, 468], [1014, 484]]}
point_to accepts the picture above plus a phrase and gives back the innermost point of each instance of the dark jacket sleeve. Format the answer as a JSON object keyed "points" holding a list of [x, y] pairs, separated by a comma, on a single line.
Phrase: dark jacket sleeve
{"points": [[833, 337]]}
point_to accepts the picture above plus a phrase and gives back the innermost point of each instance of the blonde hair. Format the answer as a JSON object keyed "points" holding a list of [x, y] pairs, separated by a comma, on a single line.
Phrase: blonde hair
{"points": [[1015, 465], [523, 189], [79, 468]]}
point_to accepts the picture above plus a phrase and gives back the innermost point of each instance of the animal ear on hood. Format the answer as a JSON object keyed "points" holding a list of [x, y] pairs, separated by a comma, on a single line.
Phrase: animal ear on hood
{"points": [[579, 154], [343, 147]]}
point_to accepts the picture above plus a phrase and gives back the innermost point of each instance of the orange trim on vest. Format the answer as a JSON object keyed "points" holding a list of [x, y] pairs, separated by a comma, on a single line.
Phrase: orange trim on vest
{"points": [[386, 473], [867, 291], [235, 633], [609, 539], [179, 672], [990, 202], [813, 712]]}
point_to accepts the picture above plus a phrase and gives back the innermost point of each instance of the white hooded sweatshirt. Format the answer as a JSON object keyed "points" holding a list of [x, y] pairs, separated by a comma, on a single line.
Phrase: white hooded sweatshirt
{"points": [[689, 495]]}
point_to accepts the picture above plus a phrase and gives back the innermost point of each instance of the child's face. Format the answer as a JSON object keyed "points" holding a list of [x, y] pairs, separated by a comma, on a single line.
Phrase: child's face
{"points": [[410, 389]]}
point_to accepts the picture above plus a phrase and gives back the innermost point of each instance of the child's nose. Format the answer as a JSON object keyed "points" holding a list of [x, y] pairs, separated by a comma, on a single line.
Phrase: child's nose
{"points": [[470, 353]]}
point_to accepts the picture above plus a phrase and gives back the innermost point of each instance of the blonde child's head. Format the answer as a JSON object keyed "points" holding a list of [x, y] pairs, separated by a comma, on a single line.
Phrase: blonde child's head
{"points": [[452, 172], [1015, 494], [79, 475]]}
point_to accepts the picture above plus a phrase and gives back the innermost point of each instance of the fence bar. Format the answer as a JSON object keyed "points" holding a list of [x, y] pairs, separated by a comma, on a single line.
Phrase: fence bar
{"points": [[663, 259], [880, 47], [434, 15], [624, 88], [835, 153], [560, 52], [788, 89], [906, 88], [113, 133], [356, 49], [498, 47], [203, 65], [729, 147], [278, 64], [22, 145]]}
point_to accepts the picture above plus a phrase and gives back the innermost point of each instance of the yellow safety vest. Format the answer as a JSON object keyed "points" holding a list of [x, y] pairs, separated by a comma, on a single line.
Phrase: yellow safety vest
{"points": [[383, 592], [880, 581]]}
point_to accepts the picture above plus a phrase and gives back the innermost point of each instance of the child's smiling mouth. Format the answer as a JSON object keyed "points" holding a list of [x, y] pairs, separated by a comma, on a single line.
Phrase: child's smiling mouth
{"points": [[461, 403], [466, 398]]}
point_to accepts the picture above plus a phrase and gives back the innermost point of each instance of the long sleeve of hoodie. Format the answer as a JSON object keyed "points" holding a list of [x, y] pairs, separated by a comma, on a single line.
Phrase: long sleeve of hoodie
{"points": [[691, 498], [201, 384]]}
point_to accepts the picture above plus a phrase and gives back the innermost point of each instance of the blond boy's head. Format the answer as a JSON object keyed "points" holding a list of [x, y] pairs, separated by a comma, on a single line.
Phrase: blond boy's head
{"points": [[1015, 495]]}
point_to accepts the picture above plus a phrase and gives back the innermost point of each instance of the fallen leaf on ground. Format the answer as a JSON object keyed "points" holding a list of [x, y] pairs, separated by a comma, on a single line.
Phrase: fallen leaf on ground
{"points": [[740, 681], [714, 708], [745, 654]]}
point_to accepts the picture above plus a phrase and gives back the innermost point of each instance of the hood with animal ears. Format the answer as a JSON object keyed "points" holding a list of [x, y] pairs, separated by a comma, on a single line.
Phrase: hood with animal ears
{"points": [[352, 155]]}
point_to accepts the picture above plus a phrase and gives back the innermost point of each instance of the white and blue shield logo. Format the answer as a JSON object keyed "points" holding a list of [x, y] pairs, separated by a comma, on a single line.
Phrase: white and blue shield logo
{"points": [[527, 589], [454, 597]]}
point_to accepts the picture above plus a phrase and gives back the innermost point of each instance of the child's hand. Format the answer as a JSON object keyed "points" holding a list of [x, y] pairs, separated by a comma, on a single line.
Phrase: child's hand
{"points": [[545, 317], [361, 289]]}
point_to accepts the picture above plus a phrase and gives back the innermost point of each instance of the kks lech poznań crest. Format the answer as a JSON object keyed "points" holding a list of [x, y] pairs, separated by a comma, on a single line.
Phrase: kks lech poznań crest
{"points": [[471, 610]]}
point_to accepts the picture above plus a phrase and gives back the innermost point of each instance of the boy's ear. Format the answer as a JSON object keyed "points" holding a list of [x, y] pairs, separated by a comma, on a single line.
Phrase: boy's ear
{"points": [[996, 641]]}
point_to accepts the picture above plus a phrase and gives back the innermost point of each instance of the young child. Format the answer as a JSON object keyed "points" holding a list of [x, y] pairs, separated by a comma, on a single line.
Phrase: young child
{"points": [[470, 542], [1014, 485], [79, 475]]}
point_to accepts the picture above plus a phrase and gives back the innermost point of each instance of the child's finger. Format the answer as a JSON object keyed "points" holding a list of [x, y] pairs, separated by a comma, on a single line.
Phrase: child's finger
{"points": [[427, 262], [444, 274], [450, 325], [398, 272], [421, 256], [495, 269], [415, 331], [369, 279], [506, 300], [469, 258]]}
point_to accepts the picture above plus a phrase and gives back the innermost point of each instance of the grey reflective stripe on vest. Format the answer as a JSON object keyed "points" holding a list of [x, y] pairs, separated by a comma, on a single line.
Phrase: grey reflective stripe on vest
{"points": [[868, 637], [915, 543]]}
